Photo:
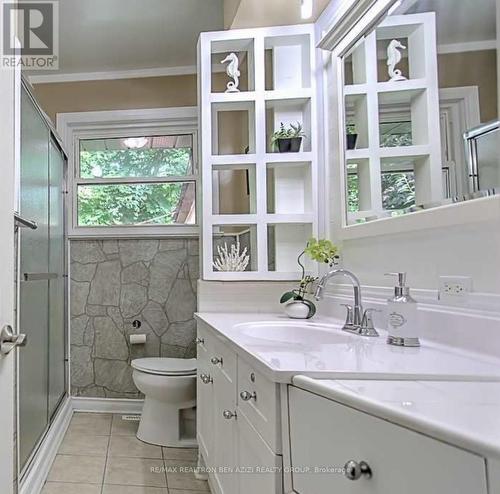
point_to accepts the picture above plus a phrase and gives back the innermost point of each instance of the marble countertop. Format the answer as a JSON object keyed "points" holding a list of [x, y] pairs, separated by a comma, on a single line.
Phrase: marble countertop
{"points": [[465, 414], [319, 349]]}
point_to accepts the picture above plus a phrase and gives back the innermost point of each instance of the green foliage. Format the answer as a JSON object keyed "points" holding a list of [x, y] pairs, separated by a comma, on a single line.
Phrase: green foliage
{"points": [[398, 190], [352, 193], [287, 296], [135, 163], [296, 130], [350, 129], [321, 250], [122, 204]]}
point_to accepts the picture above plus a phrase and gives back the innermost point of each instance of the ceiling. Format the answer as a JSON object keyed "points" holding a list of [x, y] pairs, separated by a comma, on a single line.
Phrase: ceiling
{"points": [[114, 35]]}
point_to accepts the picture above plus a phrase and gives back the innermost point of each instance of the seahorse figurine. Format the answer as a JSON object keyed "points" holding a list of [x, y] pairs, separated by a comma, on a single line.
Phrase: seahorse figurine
{"points": [[233, 72], [393, 58]]}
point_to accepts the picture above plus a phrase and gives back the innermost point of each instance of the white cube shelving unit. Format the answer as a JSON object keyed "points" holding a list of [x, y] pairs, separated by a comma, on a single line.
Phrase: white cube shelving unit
{"points": [[278, 74], [369, 90]]}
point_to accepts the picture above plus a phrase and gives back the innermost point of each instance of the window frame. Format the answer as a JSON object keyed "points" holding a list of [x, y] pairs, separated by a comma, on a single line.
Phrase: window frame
{"points": [[75, 127]]}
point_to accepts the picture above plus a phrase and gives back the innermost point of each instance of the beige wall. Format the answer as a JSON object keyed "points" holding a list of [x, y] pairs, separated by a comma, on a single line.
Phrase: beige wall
{"points": [[118, 94], [478, 68]]}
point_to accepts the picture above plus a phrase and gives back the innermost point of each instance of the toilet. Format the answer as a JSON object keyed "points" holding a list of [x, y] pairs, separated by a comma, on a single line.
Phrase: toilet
{"points": [[169, 386]]}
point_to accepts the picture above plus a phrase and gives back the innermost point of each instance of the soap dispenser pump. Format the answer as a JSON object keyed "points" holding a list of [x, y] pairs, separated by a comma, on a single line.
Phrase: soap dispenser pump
{"points": [[402, 323]]}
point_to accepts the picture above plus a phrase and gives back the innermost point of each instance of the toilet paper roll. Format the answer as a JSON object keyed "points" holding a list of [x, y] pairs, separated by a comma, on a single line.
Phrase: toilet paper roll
{"points": [[137, 339]]}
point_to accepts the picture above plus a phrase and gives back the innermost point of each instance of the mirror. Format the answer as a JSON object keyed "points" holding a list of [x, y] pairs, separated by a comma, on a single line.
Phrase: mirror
{"points": [[421, 109]]}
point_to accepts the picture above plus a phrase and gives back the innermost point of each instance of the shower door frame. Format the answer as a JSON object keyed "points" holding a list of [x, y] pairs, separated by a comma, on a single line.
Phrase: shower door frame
{"points": [[23, 471]]}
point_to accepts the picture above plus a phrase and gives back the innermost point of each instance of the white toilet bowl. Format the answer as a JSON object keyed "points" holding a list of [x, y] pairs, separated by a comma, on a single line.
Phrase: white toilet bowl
{"points": [[169, 387]]}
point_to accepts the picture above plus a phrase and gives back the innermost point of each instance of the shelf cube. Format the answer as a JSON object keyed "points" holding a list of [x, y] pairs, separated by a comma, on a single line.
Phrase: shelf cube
{"points": [[285, 242], [233, 128], [234, 189], [244, 50], [289, 188], [287, 62], [226, 237], [288, 111]]}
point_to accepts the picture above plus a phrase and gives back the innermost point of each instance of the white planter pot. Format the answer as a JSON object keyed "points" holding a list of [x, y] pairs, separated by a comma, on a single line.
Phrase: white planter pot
{"points": [[297, 310]]}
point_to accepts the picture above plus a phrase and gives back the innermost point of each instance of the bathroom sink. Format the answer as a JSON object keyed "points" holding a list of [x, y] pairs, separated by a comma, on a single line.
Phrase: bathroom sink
{"points": [[293, 332]]}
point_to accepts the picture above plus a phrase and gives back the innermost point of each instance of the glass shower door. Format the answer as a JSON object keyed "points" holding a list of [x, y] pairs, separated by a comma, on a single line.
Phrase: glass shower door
{"points": [[33, 288]]}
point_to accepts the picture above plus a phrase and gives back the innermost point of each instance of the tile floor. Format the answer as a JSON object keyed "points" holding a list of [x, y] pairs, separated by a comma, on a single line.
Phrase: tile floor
{"points": [[101, 455]]}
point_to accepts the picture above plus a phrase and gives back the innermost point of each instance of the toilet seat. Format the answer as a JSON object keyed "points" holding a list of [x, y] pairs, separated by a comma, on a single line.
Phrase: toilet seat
{"points": [[165, 366]]}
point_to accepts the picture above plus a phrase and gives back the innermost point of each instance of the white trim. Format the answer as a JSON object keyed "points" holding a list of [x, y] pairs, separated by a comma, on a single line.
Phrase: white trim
{"points": [[467, 46], [33, 480], [126, 122], [107, 405], [113, 74]]}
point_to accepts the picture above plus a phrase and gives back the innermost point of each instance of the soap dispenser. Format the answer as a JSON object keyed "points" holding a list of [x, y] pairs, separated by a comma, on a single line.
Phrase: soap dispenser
{"points": [[402, 314]]}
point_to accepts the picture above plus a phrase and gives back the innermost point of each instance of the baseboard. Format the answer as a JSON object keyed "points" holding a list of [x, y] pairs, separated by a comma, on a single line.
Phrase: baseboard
{"points": [[34, 478], [106, 405]]}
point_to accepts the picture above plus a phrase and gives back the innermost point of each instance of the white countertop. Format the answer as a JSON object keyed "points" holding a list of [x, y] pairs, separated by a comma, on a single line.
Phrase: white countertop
{"points": [[330, 353], [465, 414]]}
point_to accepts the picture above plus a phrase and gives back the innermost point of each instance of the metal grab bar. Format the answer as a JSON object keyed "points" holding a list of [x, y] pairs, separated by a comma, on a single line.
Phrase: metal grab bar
{"points": [[22, 222], [39, 276]]}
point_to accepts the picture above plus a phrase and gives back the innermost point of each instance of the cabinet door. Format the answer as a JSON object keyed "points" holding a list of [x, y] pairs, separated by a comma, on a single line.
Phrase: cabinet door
{"points": [[259, 469], [325, 434], [205, 400], [225, 431]]}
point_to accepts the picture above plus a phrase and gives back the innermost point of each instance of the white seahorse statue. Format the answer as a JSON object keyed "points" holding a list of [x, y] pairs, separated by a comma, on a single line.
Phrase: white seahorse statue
{"points": [[393, 58], [233, 72]]}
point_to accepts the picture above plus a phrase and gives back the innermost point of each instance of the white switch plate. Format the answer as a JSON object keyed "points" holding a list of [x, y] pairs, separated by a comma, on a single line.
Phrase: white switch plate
{"points": [[454, 288]]}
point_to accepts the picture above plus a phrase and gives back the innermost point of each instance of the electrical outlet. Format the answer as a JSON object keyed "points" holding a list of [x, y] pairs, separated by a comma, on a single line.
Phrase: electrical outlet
{"points": [[454, 288]]}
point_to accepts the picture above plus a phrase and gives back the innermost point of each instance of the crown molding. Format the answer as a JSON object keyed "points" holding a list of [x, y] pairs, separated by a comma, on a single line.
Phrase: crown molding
{"points": [[467, 46], [112, 74]]}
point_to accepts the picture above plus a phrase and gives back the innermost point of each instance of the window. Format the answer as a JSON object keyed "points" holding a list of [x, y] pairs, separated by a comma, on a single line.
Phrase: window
{"points": [[136, 181]]}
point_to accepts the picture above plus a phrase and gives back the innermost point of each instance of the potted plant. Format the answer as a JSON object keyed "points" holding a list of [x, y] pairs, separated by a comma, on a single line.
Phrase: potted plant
{"points": [[351, 136], [288, 139], [297, 304]]}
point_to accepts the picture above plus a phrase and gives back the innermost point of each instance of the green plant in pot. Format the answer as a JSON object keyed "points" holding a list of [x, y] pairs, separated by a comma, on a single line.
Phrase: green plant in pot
{"points": [[288, 139], [351, 136], [297, 302]]}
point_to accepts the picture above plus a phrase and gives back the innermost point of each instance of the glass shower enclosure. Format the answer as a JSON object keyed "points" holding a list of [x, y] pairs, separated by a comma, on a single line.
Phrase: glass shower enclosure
{"points": [[41, 278]]}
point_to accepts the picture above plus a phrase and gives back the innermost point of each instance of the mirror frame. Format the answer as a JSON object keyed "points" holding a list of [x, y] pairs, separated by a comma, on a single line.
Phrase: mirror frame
{"points": [[357, 19]]}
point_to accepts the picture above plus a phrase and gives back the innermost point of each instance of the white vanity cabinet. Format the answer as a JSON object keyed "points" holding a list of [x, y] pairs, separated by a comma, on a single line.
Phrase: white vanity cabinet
{"points": [[238, 421], [327, 434]]}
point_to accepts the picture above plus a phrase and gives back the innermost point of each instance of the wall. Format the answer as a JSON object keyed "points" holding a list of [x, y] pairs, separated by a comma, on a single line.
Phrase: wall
{"points": [[117, 94], [472, 249], [230, 9], [113, 283], [258, 13], [481, 71]]}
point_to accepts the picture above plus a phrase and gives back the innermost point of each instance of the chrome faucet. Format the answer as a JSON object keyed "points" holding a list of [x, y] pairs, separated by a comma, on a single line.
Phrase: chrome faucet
{"points": [[357, 320]]}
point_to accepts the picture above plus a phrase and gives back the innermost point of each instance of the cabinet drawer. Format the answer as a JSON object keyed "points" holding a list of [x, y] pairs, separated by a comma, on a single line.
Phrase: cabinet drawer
{"points": [[262, 408], [325, 434]]}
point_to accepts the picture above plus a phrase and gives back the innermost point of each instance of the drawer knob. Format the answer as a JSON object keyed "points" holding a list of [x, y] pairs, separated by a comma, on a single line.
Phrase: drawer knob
{"points": [[247, 396], [228, 415], [354, 470], [216, 360], [206, 378], [200, 341]]}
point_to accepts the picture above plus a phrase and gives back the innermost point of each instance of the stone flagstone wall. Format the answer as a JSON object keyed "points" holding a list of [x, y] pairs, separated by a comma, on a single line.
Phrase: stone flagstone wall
{"points": [[115, 282]]}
